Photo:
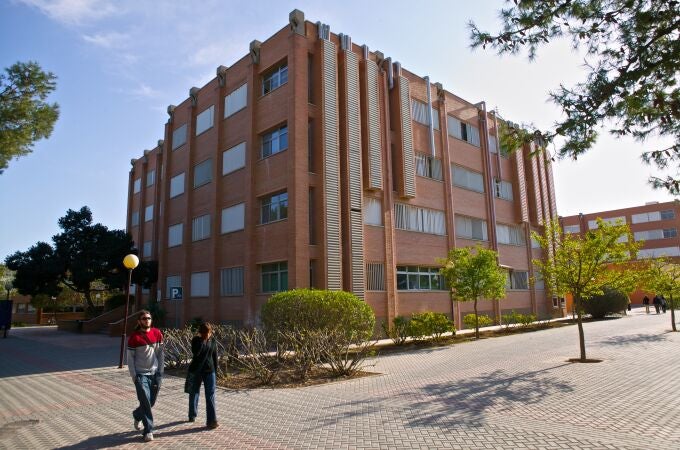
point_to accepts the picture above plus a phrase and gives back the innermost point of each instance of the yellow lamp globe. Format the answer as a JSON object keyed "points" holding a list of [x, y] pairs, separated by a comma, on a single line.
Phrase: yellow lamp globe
{"points": [[130, 261]]}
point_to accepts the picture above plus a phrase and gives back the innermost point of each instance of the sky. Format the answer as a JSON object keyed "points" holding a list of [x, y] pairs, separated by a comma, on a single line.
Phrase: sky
{"points": [[120, 63]]}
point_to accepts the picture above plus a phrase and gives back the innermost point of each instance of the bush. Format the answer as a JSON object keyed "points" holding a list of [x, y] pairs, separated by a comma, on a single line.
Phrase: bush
{"points": [[117, 300], [517, 319], [400, 330], [612, 301], [484, 321], [430, 324], [300, 310]]}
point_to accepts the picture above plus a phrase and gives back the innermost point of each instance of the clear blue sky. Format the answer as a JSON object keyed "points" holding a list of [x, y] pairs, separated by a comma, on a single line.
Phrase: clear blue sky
{"points": [[121, 62]]}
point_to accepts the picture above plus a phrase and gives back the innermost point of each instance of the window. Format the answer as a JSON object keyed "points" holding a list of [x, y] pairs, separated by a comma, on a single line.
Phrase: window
{"points": [[177, 185], [535, 243], [274, 277], [569, 229], [135, 219], [274, 207], [463, 131], [646, 217], [592, 224], [503, 189], [375, 276], [372, 211], [419, 114], [231, 281], [234, 158], [414, 278], [493, 145], [539, 282], [137, 186], [655, 234], [233, 218], [467, 179], [667, 214], [670, 233], [200, 228], [413, 218], [203, 173], [236, 101], [510, 235], [200, 284], [428, 166], [275, 79], [471, 228], [148, 213], [179, 137], [274, 142], [175, 234], [205, 120], [150, 178], [172, 282], [517, 279], [146, 249], [658, 252]]}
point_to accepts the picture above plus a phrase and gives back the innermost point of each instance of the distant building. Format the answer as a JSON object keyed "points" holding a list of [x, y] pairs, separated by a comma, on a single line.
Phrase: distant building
{"points": [[314, 162]]}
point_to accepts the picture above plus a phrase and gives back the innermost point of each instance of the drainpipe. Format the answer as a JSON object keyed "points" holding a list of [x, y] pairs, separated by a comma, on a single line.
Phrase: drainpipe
{"points": [[430, 119]]}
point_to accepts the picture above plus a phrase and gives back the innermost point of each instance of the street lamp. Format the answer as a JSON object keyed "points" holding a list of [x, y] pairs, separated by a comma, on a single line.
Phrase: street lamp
{"points": [[130, 262]]}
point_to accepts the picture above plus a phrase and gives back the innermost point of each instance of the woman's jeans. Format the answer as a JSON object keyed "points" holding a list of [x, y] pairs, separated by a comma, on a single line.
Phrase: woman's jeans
{"points": [[209, 381]]}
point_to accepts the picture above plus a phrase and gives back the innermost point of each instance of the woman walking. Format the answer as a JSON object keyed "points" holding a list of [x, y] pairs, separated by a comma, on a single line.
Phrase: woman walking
{"points": [[203, 369]]}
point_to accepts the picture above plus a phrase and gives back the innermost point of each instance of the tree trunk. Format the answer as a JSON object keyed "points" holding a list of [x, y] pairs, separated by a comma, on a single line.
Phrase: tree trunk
{"points": [[671, 303], [476, 321], [90, 304], [579, 321]]}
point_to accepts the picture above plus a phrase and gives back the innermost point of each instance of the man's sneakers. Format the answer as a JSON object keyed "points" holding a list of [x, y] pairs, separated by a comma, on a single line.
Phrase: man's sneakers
{"points": [[213, 425], [148, 437], [138, 424]]}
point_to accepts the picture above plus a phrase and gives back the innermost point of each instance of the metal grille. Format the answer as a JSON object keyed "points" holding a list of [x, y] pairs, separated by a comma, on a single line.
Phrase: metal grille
{"points": [[374, 154], [407, 139], [375, 276]]}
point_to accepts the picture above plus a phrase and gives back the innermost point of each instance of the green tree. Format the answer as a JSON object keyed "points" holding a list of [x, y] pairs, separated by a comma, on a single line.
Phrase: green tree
{"points": [[472, 274], [25, 116], [664, 278], [632, 54], [86, 258], [583, 265]]}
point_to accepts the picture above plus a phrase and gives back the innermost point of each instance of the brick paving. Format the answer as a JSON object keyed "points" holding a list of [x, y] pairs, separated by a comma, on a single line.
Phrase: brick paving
{"points": [[59, 390]]}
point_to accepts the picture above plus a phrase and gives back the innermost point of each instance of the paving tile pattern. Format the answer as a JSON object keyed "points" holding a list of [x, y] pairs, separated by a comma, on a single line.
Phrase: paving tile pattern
{"points": [[59, 390]]}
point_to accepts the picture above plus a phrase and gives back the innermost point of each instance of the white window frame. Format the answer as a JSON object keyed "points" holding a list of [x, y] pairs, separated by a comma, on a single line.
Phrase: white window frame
{"points": [[179, 136], [510, 235], [428, 166], [234, 158], [233, 218], [419, 278], [137, 186], [200, 228], [373, 214], [177, 185], [274, 78], [205, 120], [274, 207], [467, 179], [423, 220], [236, 100], [467, 226], [271, 141], [503, 189]]}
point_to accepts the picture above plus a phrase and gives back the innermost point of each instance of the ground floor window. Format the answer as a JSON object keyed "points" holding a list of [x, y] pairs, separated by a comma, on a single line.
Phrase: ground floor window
{"points": [[416, 278], [274, 277]]}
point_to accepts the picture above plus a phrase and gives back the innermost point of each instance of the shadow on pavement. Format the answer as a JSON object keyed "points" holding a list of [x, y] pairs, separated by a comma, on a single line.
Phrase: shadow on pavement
{"points": [[633, 339]]}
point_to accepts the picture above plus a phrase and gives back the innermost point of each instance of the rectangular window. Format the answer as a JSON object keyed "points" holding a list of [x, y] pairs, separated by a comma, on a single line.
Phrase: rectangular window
{"points": [[175, 234], [463, 131], [177, 185], [471, 228], [135, 219], [146, 249], [148, 213], [535, 243], [658, 252], [503, 189], [200, 228], [414, 278], [569, 229], [592, 224], [419, 114], [203, 173], [150, 178], [539, 282], [467, 179], [517, 279], [137, 186], [655, 234], [493, 145], [236, 101], [274, 277], [231, 281], [670, 233], [274, 207], [205, 120], [428, 166], [667, 214], [413, 218], [179, 137], [373, 211], [375, 276], [274, 142], [311, 217], [234, 158], [274, 79], [172, 282], [510, 235], [233, 218], [200, 284]]}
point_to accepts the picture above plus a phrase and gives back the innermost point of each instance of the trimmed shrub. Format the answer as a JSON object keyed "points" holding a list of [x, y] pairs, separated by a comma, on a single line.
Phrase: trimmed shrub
{"points": [[315, 310], [484, 321], [517, 319], [400, 330], [430, 324], [611, 302]]}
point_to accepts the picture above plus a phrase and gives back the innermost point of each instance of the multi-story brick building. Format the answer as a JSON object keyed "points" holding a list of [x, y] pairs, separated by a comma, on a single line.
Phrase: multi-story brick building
{"points": [[314, 162]]}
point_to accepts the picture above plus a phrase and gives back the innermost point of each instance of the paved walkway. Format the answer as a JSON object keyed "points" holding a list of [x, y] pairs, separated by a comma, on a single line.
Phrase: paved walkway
{"points": [[59, 390]]}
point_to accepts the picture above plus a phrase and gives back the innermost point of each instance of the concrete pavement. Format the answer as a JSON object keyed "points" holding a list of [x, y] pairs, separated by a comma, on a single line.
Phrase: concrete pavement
{"points": [[59, 390]]}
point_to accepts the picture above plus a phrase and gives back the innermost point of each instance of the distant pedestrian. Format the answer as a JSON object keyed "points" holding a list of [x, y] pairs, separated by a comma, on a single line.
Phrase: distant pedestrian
{"points": [[664, 305], [630, 305], [203, 368], [657, 303], [145, 362], [645, 301]]}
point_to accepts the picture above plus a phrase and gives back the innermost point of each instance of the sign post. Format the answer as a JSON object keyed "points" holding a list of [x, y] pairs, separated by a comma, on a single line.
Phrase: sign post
{"points": [[176, 294]]}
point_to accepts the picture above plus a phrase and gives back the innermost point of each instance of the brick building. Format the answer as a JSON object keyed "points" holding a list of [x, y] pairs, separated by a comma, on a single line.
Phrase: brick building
{"points": [[314, 162]]}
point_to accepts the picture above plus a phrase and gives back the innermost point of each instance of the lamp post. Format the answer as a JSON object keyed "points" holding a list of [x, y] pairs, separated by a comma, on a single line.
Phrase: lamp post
{"points": [[130, 262]]}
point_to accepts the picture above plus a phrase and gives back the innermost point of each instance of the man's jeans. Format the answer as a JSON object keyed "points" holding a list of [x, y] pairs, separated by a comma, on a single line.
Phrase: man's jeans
{"points": [[147, 387], [209, 381]]}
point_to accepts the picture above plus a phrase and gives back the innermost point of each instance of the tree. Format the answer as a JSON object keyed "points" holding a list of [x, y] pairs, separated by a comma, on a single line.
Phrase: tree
{"points": [[664, 278], [633, 55], [86, 258], [472, 274], [583, 265], [25, 116]]}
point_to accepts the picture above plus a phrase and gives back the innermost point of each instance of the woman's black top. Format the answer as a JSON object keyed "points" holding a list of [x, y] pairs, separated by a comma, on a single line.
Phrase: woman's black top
{"points": [[198, 349]]}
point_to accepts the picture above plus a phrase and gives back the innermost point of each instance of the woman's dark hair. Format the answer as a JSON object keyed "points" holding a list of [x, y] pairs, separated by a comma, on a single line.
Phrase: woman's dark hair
{"points": [[205, 330]]}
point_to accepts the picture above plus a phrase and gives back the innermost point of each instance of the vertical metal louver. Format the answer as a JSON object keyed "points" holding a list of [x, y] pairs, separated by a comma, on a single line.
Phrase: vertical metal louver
{"points": [[551, 186], [331, 156], [537, 190], [521, 177], [374, 154], [544, 187], [407, 139]]}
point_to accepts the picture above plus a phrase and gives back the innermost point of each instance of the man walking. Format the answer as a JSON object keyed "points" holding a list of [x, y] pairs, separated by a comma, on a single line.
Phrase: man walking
{"points": [[145, 362], [657, 303]]}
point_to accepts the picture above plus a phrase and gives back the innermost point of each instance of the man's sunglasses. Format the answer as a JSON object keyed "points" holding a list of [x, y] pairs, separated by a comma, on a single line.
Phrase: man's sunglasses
{"points": [[145, 318]]}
